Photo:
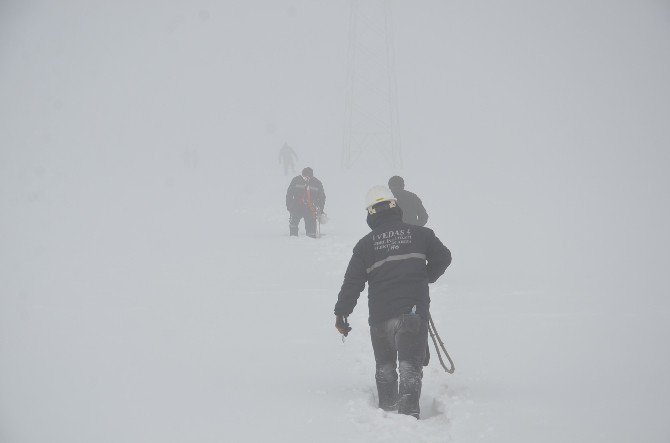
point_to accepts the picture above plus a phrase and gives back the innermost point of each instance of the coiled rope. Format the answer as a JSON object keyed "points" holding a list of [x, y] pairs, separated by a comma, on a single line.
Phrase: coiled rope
{"points": [[434, 335]]}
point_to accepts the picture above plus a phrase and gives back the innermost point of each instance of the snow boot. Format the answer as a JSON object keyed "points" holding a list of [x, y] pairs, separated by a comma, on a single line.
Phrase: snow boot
{"points": [[410, 389], [387, 387], [388, 395]]}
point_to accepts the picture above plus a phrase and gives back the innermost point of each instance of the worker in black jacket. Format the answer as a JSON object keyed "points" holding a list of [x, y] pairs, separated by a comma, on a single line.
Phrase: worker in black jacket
{"points": [[413, 211], [305, 198], [398, 261]]}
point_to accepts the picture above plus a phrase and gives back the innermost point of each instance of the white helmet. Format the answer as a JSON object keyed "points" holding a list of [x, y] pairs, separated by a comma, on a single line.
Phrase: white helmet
{"points": [[378, 194]]}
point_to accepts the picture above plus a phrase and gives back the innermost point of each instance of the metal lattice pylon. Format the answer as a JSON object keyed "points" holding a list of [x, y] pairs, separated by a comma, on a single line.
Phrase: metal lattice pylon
{"points": [[371, 132]]}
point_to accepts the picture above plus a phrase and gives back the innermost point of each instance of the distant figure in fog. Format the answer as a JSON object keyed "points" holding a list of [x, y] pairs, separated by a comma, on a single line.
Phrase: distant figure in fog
{"points": [[305, 198], [286, 157], [413, 211]]}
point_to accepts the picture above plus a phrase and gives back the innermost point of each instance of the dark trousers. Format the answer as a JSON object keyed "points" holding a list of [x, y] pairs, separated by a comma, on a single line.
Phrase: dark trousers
{"points": [[400, 342], [299, 212]]}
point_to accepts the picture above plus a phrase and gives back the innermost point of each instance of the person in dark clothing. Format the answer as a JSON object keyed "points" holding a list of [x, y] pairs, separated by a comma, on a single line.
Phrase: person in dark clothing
{"points": [[305, 198], [413, 211], [398, 261], [286, 156]]}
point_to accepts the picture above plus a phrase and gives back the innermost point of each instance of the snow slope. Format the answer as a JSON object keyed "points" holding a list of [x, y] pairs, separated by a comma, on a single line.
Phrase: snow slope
{"points": [[213, 325], [149, 291]]}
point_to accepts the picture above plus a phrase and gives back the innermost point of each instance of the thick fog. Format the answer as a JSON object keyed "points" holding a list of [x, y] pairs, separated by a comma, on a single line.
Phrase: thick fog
{"points": [[144, 242]]}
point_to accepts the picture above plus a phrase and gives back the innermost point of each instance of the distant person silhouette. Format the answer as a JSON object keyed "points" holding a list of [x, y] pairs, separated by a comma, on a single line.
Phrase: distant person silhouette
{"points": [[286, 157], [413, 211]]}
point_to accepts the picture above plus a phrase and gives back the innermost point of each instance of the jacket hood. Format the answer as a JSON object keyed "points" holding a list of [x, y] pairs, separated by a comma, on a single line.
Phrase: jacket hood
{"points": [[391, 215]]}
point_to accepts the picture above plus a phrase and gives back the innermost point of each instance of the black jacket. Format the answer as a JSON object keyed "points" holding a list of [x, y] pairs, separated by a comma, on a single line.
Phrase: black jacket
{"points": [[296, 192], [397, 260], [413, 211]]}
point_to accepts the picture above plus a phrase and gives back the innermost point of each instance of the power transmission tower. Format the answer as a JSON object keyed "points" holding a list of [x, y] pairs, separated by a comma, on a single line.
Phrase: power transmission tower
{"points": [[371, 132]]}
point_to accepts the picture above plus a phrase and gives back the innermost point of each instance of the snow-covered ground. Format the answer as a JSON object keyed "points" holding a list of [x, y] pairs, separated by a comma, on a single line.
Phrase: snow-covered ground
{"points": [[212, 325], [149, 291]]}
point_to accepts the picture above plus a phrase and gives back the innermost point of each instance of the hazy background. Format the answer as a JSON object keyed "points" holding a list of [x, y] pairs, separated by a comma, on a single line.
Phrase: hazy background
{"points": [[545, 122], [536, 132]]}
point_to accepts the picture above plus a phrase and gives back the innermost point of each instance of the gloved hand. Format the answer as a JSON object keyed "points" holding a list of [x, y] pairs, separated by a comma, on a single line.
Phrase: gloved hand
{"points": [[342, 325]]}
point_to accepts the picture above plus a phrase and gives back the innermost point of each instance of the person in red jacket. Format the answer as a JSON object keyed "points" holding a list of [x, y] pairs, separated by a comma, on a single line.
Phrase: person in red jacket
{"points": [[305, 198], [397, 260]]}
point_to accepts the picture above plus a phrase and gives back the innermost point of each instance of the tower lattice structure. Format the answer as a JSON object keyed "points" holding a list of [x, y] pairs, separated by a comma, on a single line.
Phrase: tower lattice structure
{"points": [[371, 132]]}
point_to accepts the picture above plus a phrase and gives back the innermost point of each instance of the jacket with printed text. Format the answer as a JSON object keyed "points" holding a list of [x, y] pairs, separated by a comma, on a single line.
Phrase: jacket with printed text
{"points": [[397, 260]]}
